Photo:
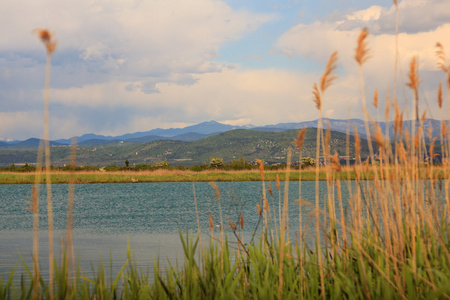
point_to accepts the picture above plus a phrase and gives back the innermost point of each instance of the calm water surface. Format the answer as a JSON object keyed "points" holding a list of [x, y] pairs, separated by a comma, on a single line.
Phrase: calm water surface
{"points": [[147, 215]]}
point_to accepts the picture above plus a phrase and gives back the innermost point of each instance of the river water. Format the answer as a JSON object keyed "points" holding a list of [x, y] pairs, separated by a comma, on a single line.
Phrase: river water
{"points": [[147, 216]]}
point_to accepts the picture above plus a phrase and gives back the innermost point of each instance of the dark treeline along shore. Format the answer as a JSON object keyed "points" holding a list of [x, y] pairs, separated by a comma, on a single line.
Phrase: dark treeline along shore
{"points": [[392, 243]]}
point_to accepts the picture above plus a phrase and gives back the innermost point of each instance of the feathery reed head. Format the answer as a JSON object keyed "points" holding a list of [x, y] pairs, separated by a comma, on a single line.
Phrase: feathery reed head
{"points": [[424, 118], [261, 168], [442, 62], [211, 223], [357, 145], [277, 183], [259, 209], [362, 52], [266, 205], [216, 189], [300, 139], [417, 138], [231, 224], [440, 53], [270, 189], [375, 98], [327, 77], [388, 106], [378, 137], [432, 154], [34, 200], [46, 38], [317, 99], [430, 130], [440, 95], [335, 165], [413, 76], [396, 3], [407, 136], [326, 143], [402, 154], [241, 220], [398, 121]]}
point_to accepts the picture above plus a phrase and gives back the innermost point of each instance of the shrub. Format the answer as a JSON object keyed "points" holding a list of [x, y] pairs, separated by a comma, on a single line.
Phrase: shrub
{"points": [[216, 162], [111, 168], [308, 162], [161, 164]]}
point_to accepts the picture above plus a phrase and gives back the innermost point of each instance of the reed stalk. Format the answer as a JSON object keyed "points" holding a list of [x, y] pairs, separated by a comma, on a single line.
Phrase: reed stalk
{"points": [[69, 250], [283, 229], [326, 80], [361, 56], [198, 220], [299, 143], [50, 45], [36, 192]]}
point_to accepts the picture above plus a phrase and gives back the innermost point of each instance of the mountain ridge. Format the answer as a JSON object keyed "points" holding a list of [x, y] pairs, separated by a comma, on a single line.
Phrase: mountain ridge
{"points": [[205, 129], [233, 144]]}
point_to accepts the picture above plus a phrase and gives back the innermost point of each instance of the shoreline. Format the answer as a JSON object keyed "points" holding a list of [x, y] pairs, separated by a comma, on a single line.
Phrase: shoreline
{"points": [[162, 176], [86, 177]]}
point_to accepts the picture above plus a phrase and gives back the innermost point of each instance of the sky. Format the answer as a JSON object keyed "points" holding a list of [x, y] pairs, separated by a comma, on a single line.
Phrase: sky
{"points": [[124, 66]]}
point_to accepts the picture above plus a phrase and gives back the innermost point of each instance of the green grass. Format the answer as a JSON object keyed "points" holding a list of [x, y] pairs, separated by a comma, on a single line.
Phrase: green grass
{"points": [[189, 176], [121, 177]]}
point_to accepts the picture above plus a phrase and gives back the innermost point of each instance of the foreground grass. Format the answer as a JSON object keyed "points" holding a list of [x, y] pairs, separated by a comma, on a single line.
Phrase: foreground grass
{"points": [[220, 271]]}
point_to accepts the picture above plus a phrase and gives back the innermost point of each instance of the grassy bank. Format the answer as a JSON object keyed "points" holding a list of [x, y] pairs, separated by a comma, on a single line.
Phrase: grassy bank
{"points": [[203, 176], [151, 176]]}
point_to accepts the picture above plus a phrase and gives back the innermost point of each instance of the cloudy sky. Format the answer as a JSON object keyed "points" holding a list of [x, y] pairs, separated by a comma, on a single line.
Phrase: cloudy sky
{"points": [[123, 66]]}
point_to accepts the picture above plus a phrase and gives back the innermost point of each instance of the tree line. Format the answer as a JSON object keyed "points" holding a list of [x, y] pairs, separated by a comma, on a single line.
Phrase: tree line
{"points": [[214, 163]]}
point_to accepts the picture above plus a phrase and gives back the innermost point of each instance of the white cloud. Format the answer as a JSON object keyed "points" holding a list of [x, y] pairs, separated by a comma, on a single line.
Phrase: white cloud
{"points": [[318, 40], [20, 125], [237, 122], [234, 96], [372, 13], [414, 16], [124, 66], [129, 39], [111, 55]]}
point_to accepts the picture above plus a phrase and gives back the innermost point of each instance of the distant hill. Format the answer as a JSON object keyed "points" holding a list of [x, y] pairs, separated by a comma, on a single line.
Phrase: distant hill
{"points": [[145, 139], [188, 133], [186, 137], [229, 145], [97, 142], [205, 129], [33, 142], [191, 136]]}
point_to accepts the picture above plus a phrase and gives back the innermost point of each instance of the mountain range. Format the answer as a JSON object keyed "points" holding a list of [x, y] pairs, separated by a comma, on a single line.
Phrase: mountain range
{"points": [[233, 144], [206, 129]]}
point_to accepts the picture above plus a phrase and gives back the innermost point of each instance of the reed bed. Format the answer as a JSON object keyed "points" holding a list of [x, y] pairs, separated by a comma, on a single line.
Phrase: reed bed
{"points": [[393, 243]]}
